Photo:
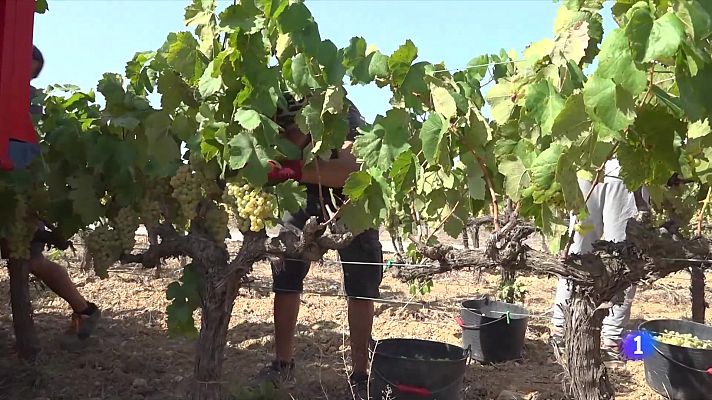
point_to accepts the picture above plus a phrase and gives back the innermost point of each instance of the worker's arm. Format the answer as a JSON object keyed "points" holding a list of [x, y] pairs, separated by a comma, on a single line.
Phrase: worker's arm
{"points": [[334, 172]]}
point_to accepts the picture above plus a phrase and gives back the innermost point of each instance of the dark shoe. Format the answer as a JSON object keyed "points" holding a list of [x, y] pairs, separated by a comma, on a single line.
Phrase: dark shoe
{"points": [[359, 386], [279, 374], [84, 323]]}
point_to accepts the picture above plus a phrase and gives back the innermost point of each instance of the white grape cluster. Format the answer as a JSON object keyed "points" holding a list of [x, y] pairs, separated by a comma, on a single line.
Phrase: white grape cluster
{"points": [[150, 212], [187, 189], [21, 231], [104, 246], [683, 340], [125, 224], [216, 222], [251, 206]]}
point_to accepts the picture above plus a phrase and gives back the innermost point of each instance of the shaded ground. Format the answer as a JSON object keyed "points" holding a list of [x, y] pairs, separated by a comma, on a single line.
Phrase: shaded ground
{"points": [[132, 356]]}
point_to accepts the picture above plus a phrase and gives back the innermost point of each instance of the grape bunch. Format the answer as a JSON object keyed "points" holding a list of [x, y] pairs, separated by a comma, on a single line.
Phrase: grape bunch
{"points": [[21, 231], [216, 222], [104, 246], [187, 189], [683, 340], [252, 207], [125, 225], [150, 212]]}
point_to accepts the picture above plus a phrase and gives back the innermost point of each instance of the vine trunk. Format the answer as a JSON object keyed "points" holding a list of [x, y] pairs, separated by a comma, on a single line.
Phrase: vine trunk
{"points": [[25, 335], [217, 304], [588, 377]]}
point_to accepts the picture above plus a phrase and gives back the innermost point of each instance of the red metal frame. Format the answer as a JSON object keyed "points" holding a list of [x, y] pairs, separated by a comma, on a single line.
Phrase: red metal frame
{"points": [[16, 26]]}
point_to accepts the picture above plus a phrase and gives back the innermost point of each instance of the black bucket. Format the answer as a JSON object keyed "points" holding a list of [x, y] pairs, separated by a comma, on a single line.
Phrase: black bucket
{"points": [[679, 373], [412, 369], [493, 330]]}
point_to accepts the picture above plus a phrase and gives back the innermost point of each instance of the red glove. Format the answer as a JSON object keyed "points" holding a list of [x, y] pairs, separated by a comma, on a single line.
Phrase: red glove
{"points": [[289, 169]]}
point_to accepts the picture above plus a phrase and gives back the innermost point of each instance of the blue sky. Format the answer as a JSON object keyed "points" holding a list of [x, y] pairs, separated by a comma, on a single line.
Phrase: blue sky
{"points": [[82, 39]]}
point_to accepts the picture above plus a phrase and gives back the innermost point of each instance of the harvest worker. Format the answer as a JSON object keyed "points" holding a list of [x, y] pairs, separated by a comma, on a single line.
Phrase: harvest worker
{"points": [[610, 206], [361, 281], [85, 314]]}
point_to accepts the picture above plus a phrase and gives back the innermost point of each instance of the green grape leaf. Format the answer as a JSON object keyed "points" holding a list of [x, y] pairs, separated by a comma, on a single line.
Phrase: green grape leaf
{"points": [[199, 12], [333, 100], [378, 67], [536, 51], [516, 177], [245, 155], [243, 16], [453, 227], [295, 17], [380, 143], [174, 91], [290, 195], [475, 177], [571, 45], [697, 20], [357, 184], [698, 129], [142, 80], [84, 198], [616, 63], [302, 73], [566, 176], [181, 52], [162, 148], [248, 119], [653, 39], [543, 173], [443, 102], [544, 103], [332, 63], [400, 61], [572, 121], [610, 108], [111, 87], [431, 135], [371, 208], [208, 84], [404, 171], [272, 8], [477, 132], [501, 99], [694, 91]]}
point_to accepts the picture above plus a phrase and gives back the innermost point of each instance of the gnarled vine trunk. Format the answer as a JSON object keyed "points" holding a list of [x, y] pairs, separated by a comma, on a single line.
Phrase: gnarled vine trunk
{"points": [[218, 301], [25, 335], [589, 380], [697, 292]]}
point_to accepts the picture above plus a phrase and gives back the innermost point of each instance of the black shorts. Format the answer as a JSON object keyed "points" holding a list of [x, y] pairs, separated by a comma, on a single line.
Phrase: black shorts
{"points": [[360, 280], [36, 248]]}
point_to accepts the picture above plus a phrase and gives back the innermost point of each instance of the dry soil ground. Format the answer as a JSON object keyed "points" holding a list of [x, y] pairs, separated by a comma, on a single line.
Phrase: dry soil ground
{"points": [[132, 356]]}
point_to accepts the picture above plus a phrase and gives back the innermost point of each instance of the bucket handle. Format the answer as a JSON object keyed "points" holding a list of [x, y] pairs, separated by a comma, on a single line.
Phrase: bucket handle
{"points": [[704, 371], [408, 389], [462, 325]]}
